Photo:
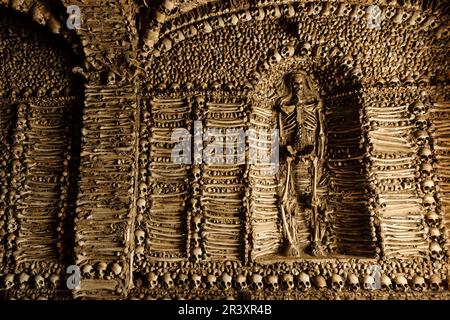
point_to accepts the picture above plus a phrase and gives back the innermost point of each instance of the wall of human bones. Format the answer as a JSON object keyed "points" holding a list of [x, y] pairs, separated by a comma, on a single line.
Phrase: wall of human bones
{"points": [[360, 196]]}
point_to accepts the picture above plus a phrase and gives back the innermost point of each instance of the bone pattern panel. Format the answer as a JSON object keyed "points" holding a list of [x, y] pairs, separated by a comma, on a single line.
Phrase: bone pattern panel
{"points": [[166, 222], [440, 119], [393, 158], [103, 201], [42, 205], [8, 116], [351, 232], [266, 228], [222, 190]]}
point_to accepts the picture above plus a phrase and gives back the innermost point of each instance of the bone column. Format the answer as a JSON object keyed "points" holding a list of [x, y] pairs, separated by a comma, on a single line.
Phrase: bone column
{"points": [[393, 157]]}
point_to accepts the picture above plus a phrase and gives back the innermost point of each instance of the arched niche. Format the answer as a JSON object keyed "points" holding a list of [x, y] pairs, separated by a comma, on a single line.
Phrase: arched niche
{"points": [[41, 103]]}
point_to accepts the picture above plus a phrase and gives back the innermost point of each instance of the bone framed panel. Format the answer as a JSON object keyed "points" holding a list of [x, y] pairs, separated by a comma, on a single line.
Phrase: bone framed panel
{"points": [[356, 208]]}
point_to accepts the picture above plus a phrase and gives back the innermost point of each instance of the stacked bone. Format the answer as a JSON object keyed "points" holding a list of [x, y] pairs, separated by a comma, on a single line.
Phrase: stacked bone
{"points": [[393, 170], [42, 206], [264, 202], [222, 191], [351, 231], [166, 220], [106, 158], [438, 221]]}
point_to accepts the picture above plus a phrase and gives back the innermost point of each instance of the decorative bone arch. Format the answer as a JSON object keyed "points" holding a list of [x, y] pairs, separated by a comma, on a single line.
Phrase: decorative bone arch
{"points": [[146, 227]]}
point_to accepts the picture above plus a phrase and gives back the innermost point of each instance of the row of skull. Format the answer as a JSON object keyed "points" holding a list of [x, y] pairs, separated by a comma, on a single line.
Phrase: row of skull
{"points": [[300, 282]]}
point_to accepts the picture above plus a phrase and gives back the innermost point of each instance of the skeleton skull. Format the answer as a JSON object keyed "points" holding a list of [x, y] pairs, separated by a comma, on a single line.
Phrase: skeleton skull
{"points": [[9, 280], [436, 251], [272, 282], [87, 272], [336, 282], [418, 283], [429, 201], [241, 282], [257, 283], [426, 169], [400, 283], [211, 281], [182, 280], [386, 282], [320, 282], [225, 281], [116, 270], [140, 237], [306, 49], [39, 281], [303, 281], [426, 154], [54, 281], [418, 108], [369, 282], [167, 280], [197, 254], [433, 219], [287, 280], [152, 279], [353, 281], [196, 281], [101, 269], [428, 186], [23, 280], [141, 203], [435, 282]]}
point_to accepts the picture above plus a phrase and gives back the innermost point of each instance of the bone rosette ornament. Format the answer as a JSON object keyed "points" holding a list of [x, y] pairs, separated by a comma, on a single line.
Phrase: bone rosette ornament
{"points": [[224, 149]]}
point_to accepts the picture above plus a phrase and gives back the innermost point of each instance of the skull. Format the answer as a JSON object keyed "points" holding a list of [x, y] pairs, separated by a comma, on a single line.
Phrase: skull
{"points": [[275, 57], [143, 189], [436, 251], [197, 221], [386, 282], [87, 272], [196, 281], [336, 282], [211, 281], [357, 73], [152, 279], [421, 121], [306, 49], [418, 108], [426, 169], [17, 151], [319, 282], [272, 282], [428, 186], [287, 51], [116, 270], [435, 282], [400, 283], [353, 282], [196, 239], [390, 12], [421, 137], [9, 280], [257, 283], [241, 282], [418, 283], [428, 201], [141, 203], [433, 219], [435, 234], [287, 280], [23, 280], [196, 173], [101, 269], [195, 188], [344, 9], [426, 154], [225, 281], [54, 281], [273, 12], [10, 240], [39, 281], [369, 282], [140, 237], [348, 61], [182, 280], [167, 280], [303, 281], [197, 253]]}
